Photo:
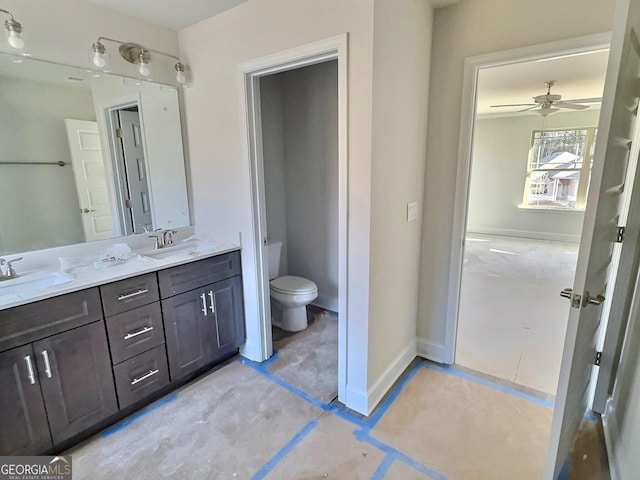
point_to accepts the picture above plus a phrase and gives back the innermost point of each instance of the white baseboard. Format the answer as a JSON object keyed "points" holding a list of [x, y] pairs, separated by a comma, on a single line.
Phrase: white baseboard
{"points": [[326, 302], [611, 433], [389, 376], [557, 237], [430, 350], [356, 400]]}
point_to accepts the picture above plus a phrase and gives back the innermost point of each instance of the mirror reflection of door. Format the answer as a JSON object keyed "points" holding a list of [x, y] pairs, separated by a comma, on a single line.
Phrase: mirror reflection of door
{"points": [[137, 207], [90, 178]]}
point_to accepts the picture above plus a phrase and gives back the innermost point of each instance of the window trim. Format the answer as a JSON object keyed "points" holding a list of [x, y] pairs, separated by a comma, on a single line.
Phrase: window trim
{"points": [[585, 171]]}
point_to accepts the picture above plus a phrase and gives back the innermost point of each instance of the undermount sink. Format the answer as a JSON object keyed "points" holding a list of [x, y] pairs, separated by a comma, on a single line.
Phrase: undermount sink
{"points": [[33, 282], [191, 248]]}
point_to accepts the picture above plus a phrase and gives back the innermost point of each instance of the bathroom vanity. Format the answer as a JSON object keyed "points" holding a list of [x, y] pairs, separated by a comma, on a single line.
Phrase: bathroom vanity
{"points": [[77, 362]]}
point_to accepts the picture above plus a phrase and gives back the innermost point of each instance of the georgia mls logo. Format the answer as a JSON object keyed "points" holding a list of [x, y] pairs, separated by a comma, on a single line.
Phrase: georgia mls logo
{"points": [[35, 468]]}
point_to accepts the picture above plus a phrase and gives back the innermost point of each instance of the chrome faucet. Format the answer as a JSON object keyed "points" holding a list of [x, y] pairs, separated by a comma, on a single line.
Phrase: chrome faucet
{"points": [[7, 273], [163, 239]]}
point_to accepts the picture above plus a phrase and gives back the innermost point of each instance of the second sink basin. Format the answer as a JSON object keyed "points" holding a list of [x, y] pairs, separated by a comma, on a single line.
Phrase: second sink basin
{"points": [[33, 282], [189, 248]]}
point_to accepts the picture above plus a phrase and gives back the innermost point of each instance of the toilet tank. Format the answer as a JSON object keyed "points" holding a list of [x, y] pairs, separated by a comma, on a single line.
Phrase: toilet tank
{"points": [[274, 250]]}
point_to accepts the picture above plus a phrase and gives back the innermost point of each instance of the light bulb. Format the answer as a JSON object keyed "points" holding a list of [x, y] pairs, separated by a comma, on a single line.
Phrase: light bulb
{"points": [[15, 39], [181, 78], [99, 60], [144, 69]]}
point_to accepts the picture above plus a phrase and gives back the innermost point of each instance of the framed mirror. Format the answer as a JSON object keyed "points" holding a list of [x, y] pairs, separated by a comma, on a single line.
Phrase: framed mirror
{"points": [[85, 156]]}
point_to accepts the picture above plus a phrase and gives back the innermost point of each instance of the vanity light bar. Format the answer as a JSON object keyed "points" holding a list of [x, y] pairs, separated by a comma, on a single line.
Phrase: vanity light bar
{"points": [[14, 31], [135, 54]]}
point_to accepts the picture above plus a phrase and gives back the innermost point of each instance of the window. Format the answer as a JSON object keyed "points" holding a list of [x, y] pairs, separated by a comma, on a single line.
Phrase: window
{"points": [[559, 168]]}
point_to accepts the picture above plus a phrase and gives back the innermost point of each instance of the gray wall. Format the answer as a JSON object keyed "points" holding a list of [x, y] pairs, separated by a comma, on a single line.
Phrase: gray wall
{"points": [[300, 142], [38, 204], [499, 166]]}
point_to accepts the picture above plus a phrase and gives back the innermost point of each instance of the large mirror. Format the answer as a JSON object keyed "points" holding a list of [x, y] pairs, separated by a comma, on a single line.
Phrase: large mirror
{"points": [[85, 156]]}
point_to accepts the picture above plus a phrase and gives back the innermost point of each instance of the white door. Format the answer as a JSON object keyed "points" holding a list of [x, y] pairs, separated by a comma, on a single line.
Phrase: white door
{"points": [[91, 180], [135, 168], [604, 204]]}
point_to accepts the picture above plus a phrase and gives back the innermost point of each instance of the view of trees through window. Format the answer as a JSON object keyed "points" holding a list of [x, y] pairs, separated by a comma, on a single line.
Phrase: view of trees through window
{"points": [[559, 168]]}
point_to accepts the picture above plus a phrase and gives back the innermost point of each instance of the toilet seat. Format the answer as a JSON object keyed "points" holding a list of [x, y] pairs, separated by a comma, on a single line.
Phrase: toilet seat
{"points": [[292, 285]]}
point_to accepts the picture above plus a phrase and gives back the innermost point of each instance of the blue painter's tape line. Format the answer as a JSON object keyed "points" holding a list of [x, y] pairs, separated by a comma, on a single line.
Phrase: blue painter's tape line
{"points": [[392, 396], [591, 417], [364, 436], [132, 418], [284, 451], [383, 468], [269, 360], [564, 471], [349, 418], [285, 385], [487, 383]]}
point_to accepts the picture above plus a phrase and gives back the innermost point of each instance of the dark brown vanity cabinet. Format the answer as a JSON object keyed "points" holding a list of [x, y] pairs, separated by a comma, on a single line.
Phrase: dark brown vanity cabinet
{"points": [[54, 385], [73, 363], [204, 324]]}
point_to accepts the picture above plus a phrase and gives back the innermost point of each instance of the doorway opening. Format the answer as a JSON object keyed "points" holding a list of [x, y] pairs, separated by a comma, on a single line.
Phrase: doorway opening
{"points": [[297, 150], [132, 193], [534, 134]]}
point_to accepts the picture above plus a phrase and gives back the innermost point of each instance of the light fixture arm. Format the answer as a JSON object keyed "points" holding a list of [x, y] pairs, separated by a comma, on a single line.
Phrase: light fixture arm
{"points": [[143, 48]]}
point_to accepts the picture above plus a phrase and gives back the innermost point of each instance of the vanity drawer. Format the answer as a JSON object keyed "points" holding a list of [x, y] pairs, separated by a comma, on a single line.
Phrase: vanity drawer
{"points": [[130, 293], [141, 376], [38, 320], [136, 331], [194, 275]]}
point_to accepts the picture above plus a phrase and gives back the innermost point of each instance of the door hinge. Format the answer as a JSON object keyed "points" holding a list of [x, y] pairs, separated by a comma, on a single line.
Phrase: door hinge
{"points": [[127, 203], [119, 132], [598, 358], [620, 235]]}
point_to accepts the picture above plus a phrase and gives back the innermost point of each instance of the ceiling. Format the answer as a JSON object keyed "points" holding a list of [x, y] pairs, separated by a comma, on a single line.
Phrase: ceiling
{"points": [[173, 14], [577, 76]]}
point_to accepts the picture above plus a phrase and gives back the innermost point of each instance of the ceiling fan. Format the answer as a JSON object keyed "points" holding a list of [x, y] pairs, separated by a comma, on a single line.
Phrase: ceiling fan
{"points": [[552, 102]]}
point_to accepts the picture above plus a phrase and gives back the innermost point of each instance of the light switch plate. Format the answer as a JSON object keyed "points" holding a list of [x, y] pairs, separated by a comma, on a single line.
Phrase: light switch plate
{"points": [[412, 211]]}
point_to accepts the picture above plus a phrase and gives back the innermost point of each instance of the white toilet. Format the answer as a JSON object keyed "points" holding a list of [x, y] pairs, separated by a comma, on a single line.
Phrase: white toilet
{"points": [[289, 295]]}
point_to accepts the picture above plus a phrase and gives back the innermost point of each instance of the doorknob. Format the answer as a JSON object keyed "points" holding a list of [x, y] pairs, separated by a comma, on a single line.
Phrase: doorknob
{"points": [[566, 292], [589, 300], [88, 210]]}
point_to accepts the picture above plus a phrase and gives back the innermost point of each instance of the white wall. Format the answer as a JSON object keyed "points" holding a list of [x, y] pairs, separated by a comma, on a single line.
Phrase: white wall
{"points": [[38, 204], [402, 44], [271, 105], [220, 174], [498, 171], [475, 27], [64, 30], [310, 110]]}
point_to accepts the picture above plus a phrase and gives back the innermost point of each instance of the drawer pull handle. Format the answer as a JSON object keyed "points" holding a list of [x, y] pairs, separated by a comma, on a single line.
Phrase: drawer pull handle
{"points": [[204, 303], [211, 298], [137, 332], [47, 365], [145, 376], [142, 291], [32, 377]]}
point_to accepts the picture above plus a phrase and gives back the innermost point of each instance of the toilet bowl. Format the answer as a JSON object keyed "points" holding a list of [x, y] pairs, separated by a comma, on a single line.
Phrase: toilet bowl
{"points": [[290, 295]]}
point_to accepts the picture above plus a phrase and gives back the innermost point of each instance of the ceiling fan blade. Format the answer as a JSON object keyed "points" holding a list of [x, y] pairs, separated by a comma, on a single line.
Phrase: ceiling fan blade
{"points": [[585, 100], [571, 106], [516, 105], [530, 108]]}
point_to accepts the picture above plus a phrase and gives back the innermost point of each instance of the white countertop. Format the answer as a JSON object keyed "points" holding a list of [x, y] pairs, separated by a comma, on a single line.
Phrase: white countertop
{"points": [[87, 277]]}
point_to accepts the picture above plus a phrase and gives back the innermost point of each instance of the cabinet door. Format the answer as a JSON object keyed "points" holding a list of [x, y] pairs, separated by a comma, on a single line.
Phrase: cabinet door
{"points": [[190, 332], [226, 298], [23, 421], [76, 379]]}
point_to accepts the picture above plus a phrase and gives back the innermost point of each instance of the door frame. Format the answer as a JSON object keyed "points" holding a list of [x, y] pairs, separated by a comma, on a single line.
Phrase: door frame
{"points": [[472, 66], [249, 74]]}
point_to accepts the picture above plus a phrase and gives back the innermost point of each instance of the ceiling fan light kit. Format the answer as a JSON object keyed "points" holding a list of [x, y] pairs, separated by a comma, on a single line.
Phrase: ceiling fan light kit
{"points": [[552, 102]]}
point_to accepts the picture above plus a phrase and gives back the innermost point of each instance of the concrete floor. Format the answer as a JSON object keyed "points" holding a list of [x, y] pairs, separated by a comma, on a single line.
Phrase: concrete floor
{"points": [[244, 422], [512, 320]]}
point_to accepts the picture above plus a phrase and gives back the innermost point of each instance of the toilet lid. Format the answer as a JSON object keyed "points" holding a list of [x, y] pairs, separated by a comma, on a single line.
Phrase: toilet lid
{"points": [[292, 284]]}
